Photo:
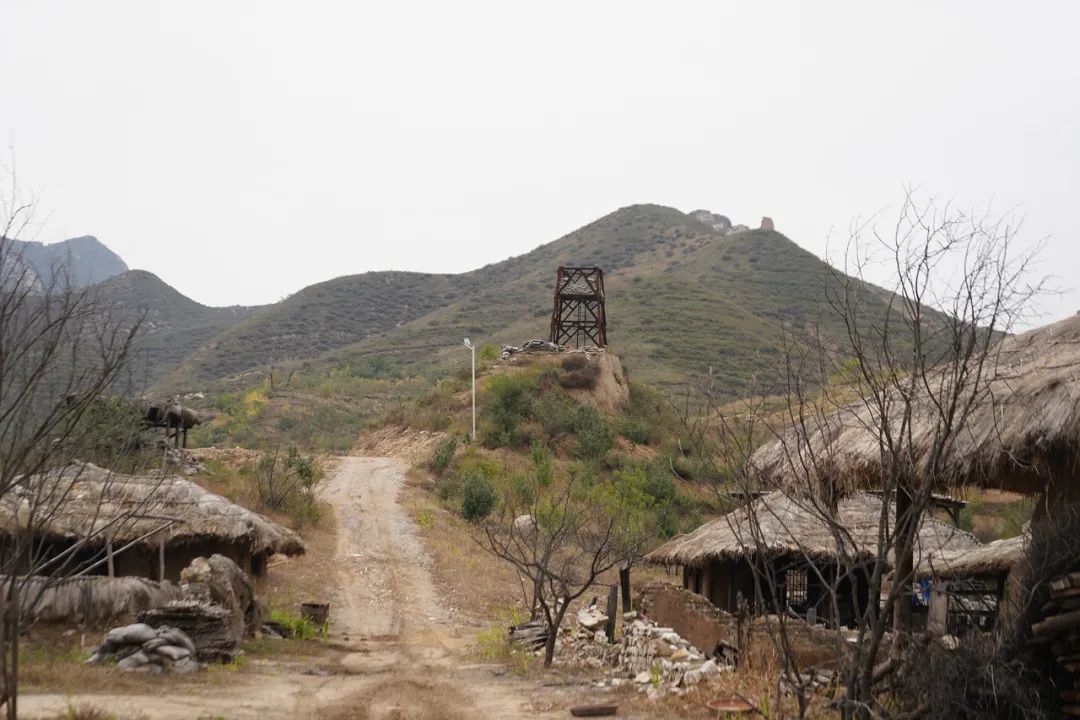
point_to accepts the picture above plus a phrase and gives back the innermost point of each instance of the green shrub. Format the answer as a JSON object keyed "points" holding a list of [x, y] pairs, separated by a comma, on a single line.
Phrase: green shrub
{"points": [[478, 496], [594, 434], [636, 431], [508, 401], [294, 624], [443, 454], [554, 412], [488, 353], [584, 378], [542, 464]]}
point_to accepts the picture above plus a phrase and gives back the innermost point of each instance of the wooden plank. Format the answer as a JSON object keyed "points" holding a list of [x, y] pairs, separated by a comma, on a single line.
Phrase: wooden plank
{"points": [[612, 609], [1070, 592], [1056, 624], [624, 583]]}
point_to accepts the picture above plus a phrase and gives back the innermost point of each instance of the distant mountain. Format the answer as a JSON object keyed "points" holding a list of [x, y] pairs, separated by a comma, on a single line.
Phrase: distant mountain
{"points": [[173, 325], [86, 259], [689, 298]]}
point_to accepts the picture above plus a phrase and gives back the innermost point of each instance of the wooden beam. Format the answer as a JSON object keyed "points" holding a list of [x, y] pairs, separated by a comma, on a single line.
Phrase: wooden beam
{"points": [[109, 555], [161, 558]]}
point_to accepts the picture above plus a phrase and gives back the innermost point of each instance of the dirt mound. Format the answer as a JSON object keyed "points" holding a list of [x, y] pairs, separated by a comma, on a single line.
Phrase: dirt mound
{"points": [[395, 441]]}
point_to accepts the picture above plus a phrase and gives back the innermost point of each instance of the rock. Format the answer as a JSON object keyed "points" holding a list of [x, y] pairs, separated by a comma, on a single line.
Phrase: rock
{"points": [[219, 580], [187, 665], [629, 616], [135, 634], [680, 655], [767, 224], [591, 619], [148, 669], [643, 677], [211, 628]]}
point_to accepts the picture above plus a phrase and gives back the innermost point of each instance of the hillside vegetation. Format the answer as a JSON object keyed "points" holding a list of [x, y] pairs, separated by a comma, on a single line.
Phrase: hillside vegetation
{"points": [[683, 301], [173, 325]]}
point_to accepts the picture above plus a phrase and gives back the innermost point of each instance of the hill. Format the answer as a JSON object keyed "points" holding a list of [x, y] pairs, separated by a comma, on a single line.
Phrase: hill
{"points": [[174, 325], [87, 260], [682, 296]]}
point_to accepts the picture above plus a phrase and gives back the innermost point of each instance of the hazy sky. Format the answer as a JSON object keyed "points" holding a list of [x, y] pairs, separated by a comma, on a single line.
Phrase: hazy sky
{"points": [[243, 150]]}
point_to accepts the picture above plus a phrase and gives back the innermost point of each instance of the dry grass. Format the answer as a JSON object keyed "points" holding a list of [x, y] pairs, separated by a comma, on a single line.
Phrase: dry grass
{"points": [[289, 581], [458, 560]]}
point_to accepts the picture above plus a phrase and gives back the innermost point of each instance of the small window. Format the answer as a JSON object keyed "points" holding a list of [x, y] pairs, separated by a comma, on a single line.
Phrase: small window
{"points": [[795, 580]]}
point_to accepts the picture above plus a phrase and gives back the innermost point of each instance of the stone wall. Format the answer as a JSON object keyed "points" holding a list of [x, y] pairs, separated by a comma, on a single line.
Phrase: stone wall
{"points": [[689, 614]]}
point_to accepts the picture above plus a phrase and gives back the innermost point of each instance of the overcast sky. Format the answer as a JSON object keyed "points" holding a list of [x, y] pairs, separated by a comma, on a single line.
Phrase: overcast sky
{"points": [[243, 150]]}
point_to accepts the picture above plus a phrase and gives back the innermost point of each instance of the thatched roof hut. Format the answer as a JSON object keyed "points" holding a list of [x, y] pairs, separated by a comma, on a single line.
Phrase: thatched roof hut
{"points": [[132, 507], [789, 526], [1023, 430], [995, 559]]}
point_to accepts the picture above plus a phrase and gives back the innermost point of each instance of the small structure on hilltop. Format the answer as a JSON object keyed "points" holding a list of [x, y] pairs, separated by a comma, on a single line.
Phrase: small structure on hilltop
{"points": [[145, 525], [797, 544], [578, 314]]}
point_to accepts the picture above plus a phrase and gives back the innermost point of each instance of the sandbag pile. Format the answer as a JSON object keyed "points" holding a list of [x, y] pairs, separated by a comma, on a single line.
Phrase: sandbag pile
{"points": [[509, 351], [144, 649]]}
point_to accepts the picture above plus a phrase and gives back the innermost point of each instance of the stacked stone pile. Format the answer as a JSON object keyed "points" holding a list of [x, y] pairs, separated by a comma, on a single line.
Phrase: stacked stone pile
{"points": [[660, 660], [655, 658], [210, 627], [144, 649], [530, 346]]}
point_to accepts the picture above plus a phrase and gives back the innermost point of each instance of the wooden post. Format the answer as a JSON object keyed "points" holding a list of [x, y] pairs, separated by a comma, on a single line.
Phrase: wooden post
{"points": [[624, 582], [612, 608], [161, 558], [109, 555], [937, 622]]}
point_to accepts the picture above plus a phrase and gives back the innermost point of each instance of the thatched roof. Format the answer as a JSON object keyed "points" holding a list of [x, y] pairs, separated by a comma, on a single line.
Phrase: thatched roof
{"points": [[138, 504], [789, 525], [1026, 421], [993, 559]]}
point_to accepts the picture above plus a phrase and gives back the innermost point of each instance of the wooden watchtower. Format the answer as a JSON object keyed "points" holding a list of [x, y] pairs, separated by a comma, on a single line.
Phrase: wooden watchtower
{"points": [[578, 317]]}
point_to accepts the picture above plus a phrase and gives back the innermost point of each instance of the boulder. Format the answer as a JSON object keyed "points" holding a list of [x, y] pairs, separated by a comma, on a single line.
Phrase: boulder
{"points": [[591, 619], [211, 627], [219, 580]]}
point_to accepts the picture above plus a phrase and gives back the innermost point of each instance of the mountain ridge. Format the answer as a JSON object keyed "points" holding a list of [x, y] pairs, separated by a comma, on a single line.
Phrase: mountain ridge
{"points": [[88, 260]]}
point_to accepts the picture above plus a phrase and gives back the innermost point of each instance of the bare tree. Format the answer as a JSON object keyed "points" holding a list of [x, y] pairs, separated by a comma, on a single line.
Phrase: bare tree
{"points": [[562, 535], [60, 351], [879, 408]]}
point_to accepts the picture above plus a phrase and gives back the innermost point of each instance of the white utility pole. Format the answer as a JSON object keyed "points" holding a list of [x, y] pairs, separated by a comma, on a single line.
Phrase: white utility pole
{"points": [[473, 349]]}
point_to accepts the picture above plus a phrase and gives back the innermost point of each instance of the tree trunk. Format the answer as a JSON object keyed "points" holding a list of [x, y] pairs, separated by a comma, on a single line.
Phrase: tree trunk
{"points": [[903, 561], [553, 632]]}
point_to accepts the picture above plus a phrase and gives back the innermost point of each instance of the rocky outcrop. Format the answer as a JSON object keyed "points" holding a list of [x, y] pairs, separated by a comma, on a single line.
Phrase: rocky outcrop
{"points": [[210, 627], [719, 223], [767, 224], [84, 260], [219, 580]]}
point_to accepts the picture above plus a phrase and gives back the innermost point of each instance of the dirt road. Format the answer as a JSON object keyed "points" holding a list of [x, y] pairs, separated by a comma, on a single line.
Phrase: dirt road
{"points": [[393, 651]]}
